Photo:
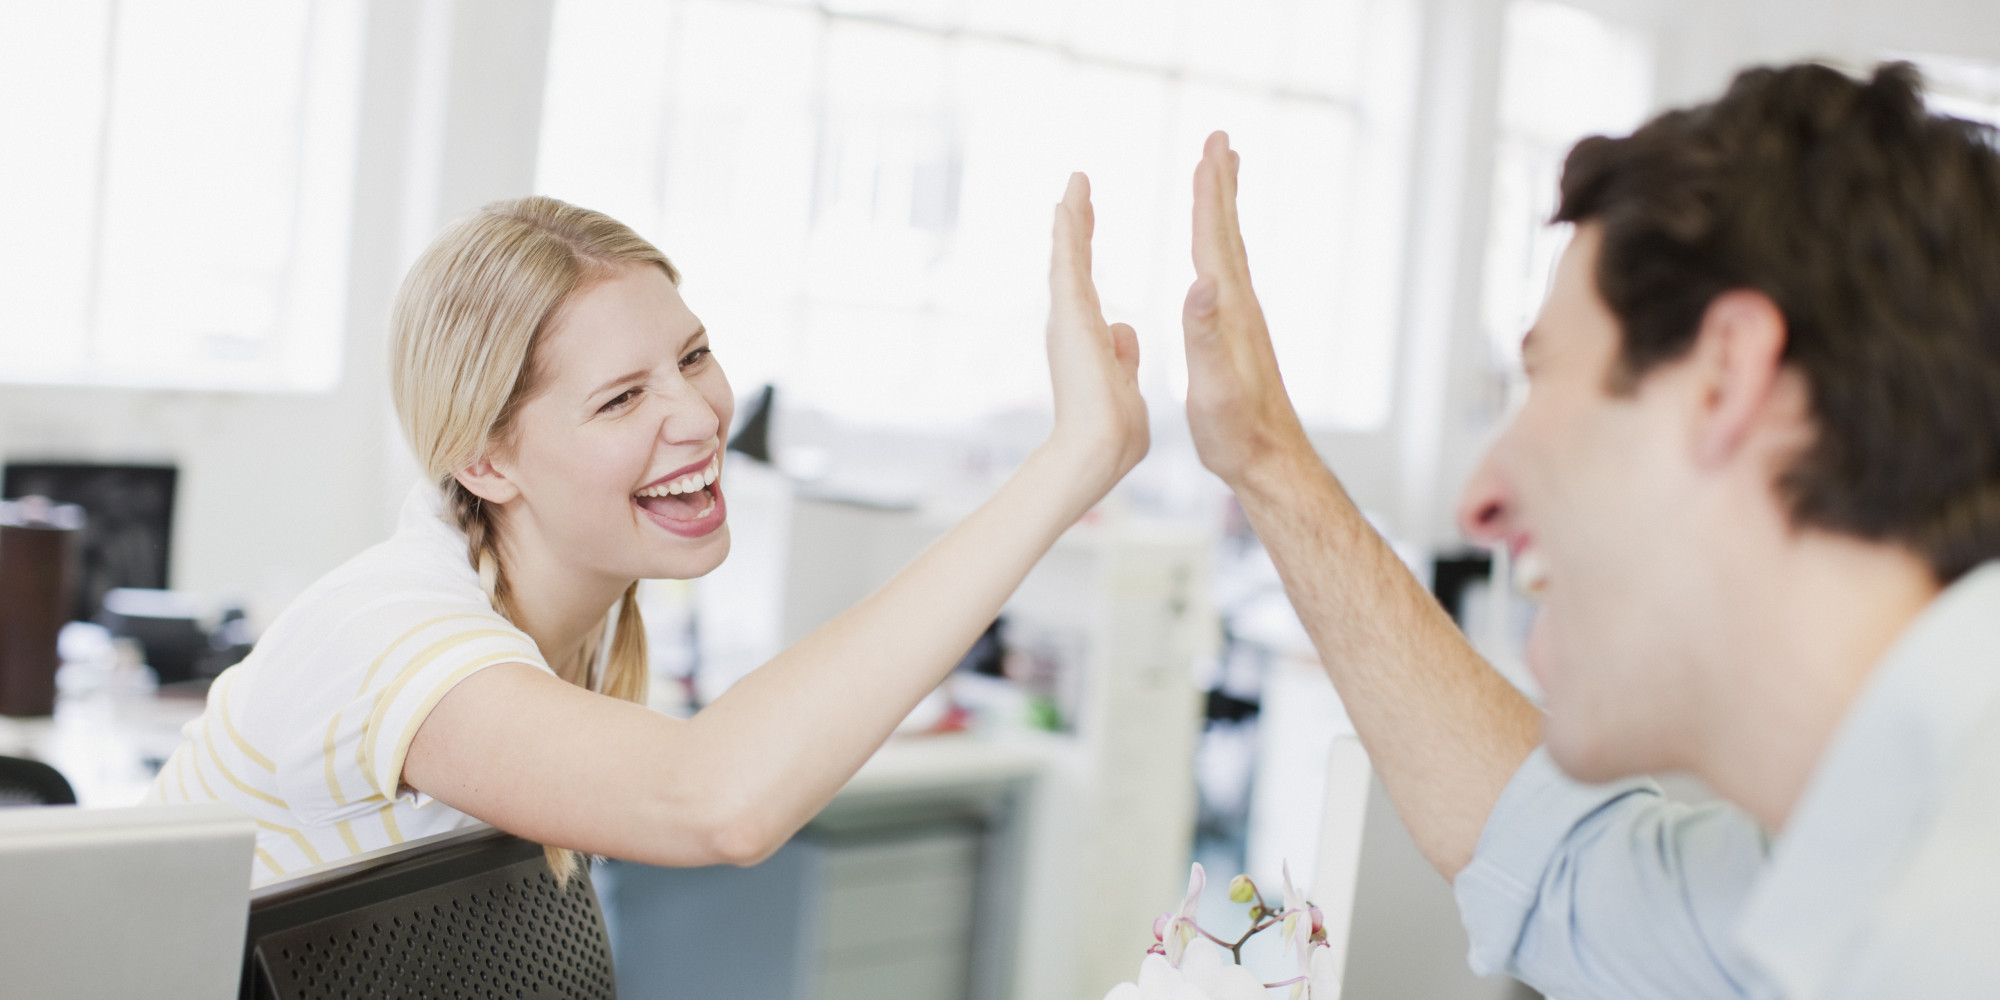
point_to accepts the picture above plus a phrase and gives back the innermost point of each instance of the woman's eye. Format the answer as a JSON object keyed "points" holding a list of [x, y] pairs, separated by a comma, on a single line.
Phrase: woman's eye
{"points": [[695, 357], [619, 400]]}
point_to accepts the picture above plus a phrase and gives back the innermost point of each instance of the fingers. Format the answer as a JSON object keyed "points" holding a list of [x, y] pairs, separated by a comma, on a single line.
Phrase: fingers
{"points": [[1069, 263], [1218, 240]]}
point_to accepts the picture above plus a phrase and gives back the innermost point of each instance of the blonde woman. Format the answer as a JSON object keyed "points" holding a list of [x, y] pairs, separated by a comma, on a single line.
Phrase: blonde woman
{"points": [[570, 416]]}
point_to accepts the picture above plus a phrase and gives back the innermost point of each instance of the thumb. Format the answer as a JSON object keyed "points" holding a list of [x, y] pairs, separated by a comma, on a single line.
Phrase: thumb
{"points": [[1198, 314], [1125, 345]]}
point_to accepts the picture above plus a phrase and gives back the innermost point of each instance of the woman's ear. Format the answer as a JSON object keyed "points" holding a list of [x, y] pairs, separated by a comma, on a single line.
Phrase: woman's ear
{"points": [[487, 482]]}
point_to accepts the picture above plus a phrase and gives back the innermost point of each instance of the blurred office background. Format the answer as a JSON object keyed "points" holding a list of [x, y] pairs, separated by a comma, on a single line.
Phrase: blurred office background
{"points": [[206, 206]]}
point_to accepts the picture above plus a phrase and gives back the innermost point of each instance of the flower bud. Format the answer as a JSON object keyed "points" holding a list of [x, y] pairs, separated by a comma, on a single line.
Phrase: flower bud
{"points": [[1241, 889], [1160, 926], [1319, 920]]}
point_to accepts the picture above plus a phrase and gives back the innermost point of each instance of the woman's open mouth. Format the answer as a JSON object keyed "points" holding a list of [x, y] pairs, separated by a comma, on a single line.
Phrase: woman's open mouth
{"points": [[689, 504]]}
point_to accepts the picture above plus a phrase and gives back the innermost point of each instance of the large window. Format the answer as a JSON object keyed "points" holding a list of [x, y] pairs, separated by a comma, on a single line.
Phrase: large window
{"points": [[1959, 87], [1566, 73], [175, 191], [860, 193]]}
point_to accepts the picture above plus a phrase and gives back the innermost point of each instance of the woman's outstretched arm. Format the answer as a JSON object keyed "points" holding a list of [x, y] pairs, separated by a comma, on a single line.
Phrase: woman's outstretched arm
{"points": [[520, 749]]}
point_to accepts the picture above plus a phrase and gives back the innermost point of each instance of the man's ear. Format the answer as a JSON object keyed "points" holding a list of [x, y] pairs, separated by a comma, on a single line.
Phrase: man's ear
{"points": [[487, 482], [1740, 351]]}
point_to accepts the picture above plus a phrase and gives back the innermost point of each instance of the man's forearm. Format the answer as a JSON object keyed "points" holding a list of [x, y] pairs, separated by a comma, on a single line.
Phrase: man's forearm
{"points": [[1444, 730]]}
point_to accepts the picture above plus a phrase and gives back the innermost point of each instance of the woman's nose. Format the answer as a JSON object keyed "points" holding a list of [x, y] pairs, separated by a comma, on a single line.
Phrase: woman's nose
{"points": [[689, 419], [1485, 512]]}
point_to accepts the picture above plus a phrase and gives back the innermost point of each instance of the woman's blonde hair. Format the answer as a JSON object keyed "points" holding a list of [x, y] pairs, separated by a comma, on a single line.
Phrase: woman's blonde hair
{"points": [[463, 360]]}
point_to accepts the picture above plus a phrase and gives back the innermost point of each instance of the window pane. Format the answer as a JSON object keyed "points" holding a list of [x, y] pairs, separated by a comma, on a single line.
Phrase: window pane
{"points": [[1565, 73], [864, 191], [52, 76], [191, 190], [200, 176]]}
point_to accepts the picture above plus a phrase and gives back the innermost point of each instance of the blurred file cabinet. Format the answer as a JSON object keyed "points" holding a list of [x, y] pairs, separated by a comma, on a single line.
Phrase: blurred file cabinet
{"points": [[903, 896]]}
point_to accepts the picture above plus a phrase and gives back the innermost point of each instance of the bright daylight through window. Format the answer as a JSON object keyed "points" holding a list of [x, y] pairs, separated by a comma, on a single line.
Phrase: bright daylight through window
{"points": [[859, 192], [1565, 73], [184, 171]]}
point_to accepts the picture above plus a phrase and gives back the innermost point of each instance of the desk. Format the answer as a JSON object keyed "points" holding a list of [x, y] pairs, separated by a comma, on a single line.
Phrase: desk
{"points": [[108, 742]]}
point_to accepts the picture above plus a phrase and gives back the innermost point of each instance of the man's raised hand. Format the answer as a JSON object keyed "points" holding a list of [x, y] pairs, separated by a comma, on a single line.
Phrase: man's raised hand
{"points": [[1236, 403]]}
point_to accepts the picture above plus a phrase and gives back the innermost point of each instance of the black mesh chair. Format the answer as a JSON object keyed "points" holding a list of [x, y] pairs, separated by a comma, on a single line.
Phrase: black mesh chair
{"points": [[32, 783], [473, 914]]}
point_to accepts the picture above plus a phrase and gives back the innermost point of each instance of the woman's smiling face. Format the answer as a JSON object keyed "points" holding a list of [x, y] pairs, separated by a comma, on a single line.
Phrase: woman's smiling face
{"points": [[617, 454]]}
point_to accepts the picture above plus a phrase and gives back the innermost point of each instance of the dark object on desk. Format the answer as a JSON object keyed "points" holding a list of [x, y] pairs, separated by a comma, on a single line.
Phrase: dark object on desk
{"points": [[166, 624], [131, 515], [472, 914], [753, 436], [1452, 574], [32, 783], [38, 569]]}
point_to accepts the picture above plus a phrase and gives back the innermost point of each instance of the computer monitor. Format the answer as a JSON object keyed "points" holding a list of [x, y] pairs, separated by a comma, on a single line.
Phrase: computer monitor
{"points": [[149, 901]]}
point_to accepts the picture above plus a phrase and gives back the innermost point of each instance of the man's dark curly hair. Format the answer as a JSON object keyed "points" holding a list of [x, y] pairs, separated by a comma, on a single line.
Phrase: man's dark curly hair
{"points": [[1875, 228]]}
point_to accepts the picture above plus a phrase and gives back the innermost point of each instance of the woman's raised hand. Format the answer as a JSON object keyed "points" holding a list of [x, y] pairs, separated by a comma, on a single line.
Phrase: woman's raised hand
{"points": [[1094, 365]]}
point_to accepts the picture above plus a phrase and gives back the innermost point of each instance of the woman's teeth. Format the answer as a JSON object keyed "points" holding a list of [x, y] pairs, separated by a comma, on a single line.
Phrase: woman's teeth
{"points": [[1531, 573], [689, 483]]}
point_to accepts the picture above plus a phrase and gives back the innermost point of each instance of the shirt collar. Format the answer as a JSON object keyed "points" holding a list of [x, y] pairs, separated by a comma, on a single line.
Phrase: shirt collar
{"points": [[1876, 789]]}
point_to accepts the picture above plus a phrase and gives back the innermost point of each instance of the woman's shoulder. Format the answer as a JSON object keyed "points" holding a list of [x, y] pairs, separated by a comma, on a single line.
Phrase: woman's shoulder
{"points": [[419, 580]]}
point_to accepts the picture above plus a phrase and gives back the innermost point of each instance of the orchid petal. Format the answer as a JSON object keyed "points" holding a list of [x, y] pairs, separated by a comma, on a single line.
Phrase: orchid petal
{"points": [[1202, 962], [1124, 991], [1157, 979], [1196, 879], [1219, 979], [1322, 977]]}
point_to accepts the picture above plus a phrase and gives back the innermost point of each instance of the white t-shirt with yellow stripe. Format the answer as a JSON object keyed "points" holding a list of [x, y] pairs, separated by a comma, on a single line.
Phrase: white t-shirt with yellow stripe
{"points": [[309, 732]]}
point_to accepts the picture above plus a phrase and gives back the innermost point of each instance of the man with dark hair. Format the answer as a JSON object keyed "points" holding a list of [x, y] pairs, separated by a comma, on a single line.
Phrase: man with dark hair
{"points": [[1752, 487]]}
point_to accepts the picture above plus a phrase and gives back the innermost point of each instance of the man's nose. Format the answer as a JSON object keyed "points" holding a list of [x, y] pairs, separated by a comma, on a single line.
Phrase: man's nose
{"points": [[1485, 512]]}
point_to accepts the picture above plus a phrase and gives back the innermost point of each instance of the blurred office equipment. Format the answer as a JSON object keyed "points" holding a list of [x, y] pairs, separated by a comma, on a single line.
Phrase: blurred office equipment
{"points": [[26, 782], [129, 521], [38, 569], [141, 902], [753, 432], [472, 913], [906, 895], [167, 626]]}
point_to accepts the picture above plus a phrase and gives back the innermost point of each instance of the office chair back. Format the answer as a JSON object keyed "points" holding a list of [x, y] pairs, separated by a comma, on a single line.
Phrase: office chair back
{"points": [[471, 914], [32, 783]]}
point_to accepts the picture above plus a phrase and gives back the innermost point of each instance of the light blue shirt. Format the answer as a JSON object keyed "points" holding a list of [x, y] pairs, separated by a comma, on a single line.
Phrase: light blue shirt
{"points": [[1885, 882]]}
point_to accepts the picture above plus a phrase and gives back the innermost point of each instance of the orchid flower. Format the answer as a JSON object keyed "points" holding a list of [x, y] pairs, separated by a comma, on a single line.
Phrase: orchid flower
{"points": [[1302, 921], [1185, 963], [1322, 975], [1204, 975], [1174, 930]]}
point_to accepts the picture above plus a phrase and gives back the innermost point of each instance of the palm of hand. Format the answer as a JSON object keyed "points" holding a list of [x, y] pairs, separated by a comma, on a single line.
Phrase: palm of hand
{"points": [[1094, 365], [1238, 410]]}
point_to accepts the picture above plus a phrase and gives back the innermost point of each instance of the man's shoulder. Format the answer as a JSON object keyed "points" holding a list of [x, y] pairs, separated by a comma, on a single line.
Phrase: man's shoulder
{"points": [[1932, 934]]}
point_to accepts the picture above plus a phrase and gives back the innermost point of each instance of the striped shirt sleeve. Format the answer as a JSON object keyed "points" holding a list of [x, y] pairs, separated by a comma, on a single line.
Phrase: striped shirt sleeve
{"points": [[348, 735]]}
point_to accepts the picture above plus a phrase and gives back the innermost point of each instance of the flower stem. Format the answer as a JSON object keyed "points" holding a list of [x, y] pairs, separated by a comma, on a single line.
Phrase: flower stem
{"points": [[1236, 950]]}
